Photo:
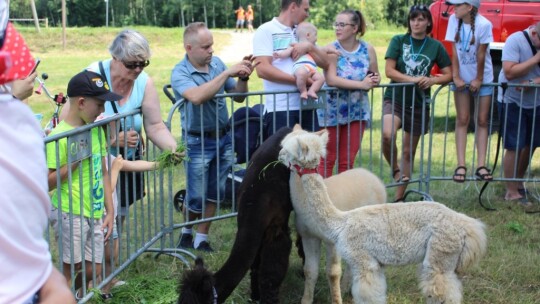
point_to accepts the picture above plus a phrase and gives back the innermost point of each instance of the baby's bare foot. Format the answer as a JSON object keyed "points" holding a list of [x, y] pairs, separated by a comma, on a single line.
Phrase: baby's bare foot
{"points": [[304, 95], [312, 95]]}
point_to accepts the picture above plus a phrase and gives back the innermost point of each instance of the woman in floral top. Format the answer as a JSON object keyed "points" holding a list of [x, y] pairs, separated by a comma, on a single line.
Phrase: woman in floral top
{"points": [[347, 112]]}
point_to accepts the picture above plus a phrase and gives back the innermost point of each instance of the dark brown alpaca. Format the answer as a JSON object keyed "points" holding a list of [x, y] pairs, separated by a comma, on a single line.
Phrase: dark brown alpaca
{"points": [[197, 285], [263, 241]]}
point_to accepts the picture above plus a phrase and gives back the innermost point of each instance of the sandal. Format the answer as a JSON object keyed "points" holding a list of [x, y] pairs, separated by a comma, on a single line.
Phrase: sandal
{"points": [[402, 178], [459, 177], [487, 177], [106, 296]]}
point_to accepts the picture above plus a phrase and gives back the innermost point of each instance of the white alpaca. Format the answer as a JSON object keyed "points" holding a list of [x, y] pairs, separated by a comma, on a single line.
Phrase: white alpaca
{"points": [[445, 243], [350, 189]]}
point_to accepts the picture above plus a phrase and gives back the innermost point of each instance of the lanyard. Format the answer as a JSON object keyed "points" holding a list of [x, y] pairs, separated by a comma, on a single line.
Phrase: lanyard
{"points": [[413, 54], [465, 42]]}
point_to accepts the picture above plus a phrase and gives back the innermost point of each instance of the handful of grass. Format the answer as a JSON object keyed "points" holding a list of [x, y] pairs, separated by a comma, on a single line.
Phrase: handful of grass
{"points": [[169, 159]]}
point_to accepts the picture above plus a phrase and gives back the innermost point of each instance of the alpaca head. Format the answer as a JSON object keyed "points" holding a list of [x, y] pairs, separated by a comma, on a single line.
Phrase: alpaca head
{"points": [[303, 149], [197, 286]]}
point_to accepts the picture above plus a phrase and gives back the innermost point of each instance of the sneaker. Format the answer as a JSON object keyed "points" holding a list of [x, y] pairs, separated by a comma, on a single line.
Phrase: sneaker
{"points": [[205, 246], [186, 241]]}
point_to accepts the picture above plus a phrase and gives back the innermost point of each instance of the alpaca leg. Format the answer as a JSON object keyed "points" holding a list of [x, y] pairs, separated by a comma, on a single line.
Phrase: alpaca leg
{"points": [[312, 253], [333, 272], [254, 275], [274, 264], [369, 283], [346, 280], [440, 287], [438, 280]]}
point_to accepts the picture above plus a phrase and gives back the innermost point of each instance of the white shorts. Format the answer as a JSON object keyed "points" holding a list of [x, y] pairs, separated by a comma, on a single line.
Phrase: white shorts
{"points": [[86, 232]]}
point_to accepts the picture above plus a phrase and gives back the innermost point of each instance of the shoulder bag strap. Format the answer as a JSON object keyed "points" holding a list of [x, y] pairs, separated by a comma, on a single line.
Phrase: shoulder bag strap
{"points": [[533, 49]]}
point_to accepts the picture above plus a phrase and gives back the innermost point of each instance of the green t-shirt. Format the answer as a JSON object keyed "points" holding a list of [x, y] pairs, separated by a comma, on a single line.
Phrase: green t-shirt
{"points": [[90, 170], [415, 61]]}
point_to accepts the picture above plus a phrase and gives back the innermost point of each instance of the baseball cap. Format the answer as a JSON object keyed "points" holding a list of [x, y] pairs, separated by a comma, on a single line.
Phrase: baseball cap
{"points": [[475, 3], [90, 84]]}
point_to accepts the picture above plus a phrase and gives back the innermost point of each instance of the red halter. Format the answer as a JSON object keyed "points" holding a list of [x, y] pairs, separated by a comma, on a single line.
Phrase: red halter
{"points": [[302, 171]]}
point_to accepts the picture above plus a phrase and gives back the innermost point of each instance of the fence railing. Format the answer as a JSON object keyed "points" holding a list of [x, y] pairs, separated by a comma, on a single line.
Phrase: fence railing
{"points": [[151, 224]]}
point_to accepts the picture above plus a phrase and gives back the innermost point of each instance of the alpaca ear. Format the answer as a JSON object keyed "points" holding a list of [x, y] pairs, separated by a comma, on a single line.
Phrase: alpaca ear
{"points": [[199, 262], [297, 127], [324, 137], [300, 150], [321, 132]]}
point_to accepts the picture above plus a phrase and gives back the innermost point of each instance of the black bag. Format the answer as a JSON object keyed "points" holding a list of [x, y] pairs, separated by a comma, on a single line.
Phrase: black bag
{"points": [[131, 184]]}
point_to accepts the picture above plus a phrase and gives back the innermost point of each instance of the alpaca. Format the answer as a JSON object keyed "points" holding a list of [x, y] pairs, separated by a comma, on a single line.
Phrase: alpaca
{"points": [[198, 285], [263, 241], [443, 242], [349, 190]]}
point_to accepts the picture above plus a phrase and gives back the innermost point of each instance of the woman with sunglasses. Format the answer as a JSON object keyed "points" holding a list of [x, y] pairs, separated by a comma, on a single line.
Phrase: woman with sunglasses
{"points": [[409, 59], [354, 71], [125, 75]]}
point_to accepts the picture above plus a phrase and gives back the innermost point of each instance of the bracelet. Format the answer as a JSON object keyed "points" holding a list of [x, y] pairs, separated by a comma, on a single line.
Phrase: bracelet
{"points": [[244, 78]]}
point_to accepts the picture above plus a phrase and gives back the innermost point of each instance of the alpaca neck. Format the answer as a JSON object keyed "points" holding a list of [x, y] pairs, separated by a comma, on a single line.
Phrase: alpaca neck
{"points": [[313, 205]]}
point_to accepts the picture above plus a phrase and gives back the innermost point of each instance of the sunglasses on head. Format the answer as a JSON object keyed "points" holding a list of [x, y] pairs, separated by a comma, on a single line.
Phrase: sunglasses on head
{"points": [[136, 64], [419, 7]]}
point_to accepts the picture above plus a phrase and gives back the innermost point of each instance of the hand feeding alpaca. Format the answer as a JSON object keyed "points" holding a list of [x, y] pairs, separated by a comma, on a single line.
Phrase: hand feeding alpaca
{"points": [[349, 190], [445, 243]]}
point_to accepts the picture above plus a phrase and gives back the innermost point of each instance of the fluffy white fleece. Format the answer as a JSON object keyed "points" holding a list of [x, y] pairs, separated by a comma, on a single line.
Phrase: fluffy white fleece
{"points": [[443, 242]]}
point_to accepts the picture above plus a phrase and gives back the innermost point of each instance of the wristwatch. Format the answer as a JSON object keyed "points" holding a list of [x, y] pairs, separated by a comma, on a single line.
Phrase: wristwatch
{"points": [[244, 78], [531, 81]]}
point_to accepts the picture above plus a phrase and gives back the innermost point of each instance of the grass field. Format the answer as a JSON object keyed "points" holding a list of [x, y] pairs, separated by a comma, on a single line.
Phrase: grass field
{"points": [[508, 274]]}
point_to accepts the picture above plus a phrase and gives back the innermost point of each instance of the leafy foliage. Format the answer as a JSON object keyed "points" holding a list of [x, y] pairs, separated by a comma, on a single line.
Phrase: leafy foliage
{"points": [[216, 13]]}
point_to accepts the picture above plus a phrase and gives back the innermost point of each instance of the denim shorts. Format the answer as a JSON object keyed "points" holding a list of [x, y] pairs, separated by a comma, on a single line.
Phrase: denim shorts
{"points": [[274, 121], [207, 169], [518, 126], [484, 90]]}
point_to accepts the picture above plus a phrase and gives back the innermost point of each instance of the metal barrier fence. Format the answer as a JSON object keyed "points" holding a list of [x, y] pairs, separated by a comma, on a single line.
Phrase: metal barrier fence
{"points": [[149, 224]]}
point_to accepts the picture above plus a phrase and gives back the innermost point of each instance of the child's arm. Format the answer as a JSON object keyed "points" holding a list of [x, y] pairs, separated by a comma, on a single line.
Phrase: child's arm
{"points": [[283, 53], [64, 170], [108, 222], [458, 82], [139, 165], [480, 64]]}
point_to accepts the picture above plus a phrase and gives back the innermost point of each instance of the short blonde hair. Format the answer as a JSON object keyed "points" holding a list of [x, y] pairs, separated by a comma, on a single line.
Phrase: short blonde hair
{"points": [[192, 30], [305, 28]]}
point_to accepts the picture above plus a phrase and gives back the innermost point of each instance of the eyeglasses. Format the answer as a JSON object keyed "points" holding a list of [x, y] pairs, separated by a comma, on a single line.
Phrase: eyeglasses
{"points": [[136, 64], [419, 7], [342, 24]]}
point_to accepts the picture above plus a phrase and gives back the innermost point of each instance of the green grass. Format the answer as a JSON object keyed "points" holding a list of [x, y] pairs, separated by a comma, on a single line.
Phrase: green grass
{"points": [[508, 274]]}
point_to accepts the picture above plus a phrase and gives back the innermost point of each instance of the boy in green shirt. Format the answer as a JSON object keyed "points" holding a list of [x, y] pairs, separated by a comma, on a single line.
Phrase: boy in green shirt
{"points": [[85, 189]]}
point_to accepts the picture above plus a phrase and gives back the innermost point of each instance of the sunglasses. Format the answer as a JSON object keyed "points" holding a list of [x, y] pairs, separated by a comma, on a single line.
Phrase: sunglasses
{"points": [[342, 24], [136, 64], [420, 7]]}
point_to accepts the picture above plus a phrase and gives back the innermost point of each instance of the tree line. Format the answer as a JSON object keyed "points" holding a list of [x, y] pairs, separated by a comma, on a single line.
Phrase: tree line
{"points": [[215, 13]]}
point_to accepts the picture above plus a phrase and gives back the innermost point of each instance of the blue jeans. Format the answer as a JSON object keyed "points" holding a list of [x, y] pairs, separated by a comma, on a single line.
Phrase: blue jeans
{"points": [[210, 161], [274, 121], [518, 126]]}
